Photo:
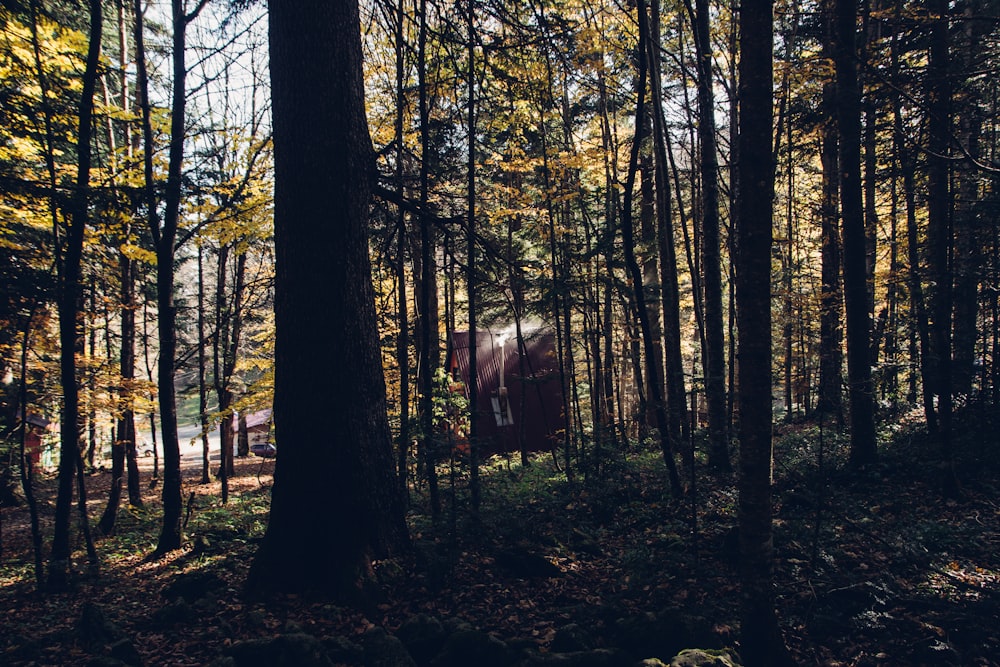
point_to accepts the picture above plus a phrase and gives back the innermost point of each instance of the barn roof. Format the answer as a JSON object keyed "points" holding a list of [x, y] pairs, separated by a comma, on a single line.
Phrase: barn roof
{"points": [[539, 362], [254, 419], [534, 394]]}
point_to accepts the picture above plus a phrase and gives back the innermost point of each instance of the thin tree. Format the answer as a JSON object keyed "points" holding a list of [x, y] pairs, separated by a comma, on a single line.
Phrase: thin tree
{"points": [[830, 401], [70, 291], [403, 340], [635, 272], [471, 278], [428, 357], [123, 447], [715, 345], [859, 370], [674, 391], [939, 231]]}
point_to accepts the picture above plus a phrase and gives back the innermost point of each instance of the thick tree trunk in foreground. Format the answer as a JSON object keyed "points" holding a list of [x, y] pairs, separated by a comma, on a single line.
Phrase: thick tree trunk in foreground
{"points": [[335, 504], [760, 638]]}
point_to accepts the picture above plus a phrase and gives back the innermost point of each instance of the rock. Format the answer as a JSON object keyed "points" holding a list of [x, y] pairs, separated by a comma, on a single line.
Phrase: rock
{"points": [[585, 543], [125, 650], [696, 657], [95, 628], [222, 661], [434, 562], [648, 636], [651, 662], [661, 635], [384, 650], [343, 651], [423, 636], [601, 657], [295, 650], [173, 613], [570, 639], [192, 586], [105, 661], [201, 545], [472, 647], [526, 564], [21, 648]]}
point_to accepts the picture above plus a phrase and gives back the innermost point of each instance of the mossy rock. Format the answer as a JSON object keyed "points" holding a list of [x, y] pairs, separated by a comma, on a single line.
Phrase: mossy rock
{"points": [[384, 650], [424, 636], [294, 650], [473, 647], [696, 657]]}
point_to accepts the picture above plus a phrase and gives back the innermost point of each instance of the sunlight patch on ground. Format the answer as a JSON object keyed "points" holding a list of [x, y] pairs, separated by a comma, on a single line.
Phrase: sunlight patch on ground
{"points": [[963, 580]]}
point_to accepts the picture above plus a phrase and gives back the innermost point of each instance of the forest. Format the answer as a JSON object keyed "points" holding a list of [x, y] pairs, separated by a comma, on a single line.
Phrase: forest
{"points": [[499, 332]]}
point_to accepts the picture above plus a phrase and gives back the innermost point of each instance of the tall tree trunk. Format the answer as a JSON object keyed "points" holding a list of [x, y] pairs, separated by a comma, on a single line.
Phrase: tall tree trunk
{"points": [[939, 224], [323, 153], [859, 372], [675, 395], [635, 272], [830, 400], [715, 342], [891, 381], [606, 383], [969, 239], [26, 466], [123, 446], [220, 368], [869, 192], [760, 638], [471, 278], [402, 310], [235, 338], [427, 324], [69, 313], [203, 371], [164, 238], [919, 325], [90, 364], [648, 255]]}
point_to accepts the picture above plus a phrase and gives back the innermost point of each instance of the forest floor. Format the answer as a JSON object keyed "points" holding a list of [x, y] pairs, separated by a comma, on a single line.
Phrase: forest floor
{"points": [[873, 566]]}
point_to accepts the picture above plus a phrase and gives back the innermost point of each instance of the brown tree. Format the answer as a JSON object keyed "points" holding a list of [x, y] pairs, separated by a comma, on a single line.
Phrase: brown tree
{"points": [[715, 346], [760, 638], [859, 370], [335, 504], [70, 293]]}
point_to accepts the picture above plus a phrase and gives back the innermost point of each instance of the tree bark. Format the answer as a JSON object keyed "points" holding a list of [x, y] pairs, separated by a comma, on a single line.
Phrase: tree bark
{"points": [[859, 372], [715, 342], [69, 314], [831, 356], [939, 225], [428, 357], [471, 278], [760, 638], [164, 238], [329, 404], [123, 447], [675, 392], [635, 272]]}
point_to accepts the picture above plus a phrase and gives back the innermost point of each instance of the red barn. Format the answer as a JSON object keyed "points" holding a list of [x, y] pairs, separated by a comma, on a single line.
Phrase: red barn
{"points": [[519, 393]]}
